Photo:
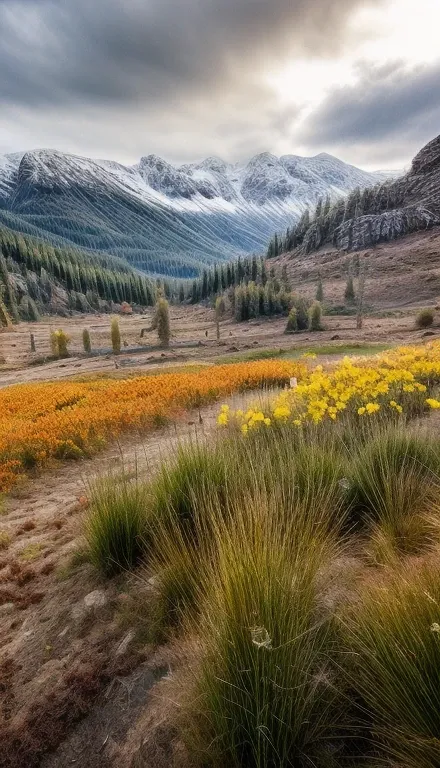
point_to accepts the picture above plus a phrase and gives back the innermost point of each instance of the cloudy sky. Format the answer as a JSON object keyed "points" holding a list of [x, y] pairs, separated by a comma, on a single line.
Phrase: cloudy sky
{"points": [[189, 78]]}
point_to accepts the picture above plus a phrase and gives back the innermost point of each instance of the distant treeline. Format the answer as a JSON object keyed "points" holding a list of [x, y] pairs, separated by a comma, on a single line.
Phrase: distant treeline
{"points": [[82, 274], [322, 226], [221, 277]]}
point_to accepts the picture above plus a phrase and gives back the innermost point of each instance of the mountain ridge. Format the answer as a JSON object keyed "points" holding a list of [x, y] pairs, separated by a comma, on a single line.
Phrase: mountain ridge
{"points": [[162, 218]]}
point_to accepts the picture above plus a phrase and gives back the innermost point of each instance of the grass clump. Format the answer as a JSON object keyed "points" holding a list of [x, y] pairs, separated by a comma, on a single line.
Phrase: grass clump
{"points": [[115, 527], [266, 693], [394, 485], [425, 318], [197, 474], [393, 638]]}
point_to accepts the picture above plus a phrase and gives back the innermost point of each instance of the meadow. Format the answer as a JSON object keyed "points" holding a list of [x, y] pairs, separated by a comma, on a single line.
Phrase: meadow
{"points": [[42, 422], [293, 562]]}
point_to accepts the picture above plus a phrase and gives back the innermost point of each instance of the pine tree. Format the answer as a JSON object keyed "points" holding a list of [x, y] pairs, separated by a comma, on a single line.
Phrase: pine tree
{"points": [[115, 336], [254, 269], [220, 309], [204, 284], [319, 291], [302, 316], [87, 344], [163, 322], [315, 317], [62, 340], [9, 294], [292, 322], [349, 294], [181, 293]]}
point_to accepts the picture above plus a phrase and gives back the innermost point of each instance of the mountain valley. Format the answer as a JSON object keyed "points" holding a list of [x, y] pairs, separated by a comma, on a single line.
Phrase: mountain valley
{"points": [[163, 219]]}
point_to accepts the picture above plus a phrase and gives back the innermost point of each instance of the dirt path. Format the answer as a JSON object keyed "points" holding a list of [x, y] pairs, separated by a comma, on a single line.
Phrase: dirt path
{"points": [[60, 638]]}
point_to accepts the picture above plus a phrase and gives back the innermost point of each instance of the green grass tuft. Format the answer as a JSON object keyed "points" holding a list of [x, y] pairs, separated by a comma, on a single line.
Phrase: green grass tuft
{"points": [[116, 524]]}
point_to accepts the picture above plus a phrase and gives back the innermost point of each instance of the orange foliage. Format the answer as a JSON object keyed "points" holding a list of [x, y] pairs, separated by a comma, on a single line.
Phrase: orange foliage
{"points": [[72, 419]]}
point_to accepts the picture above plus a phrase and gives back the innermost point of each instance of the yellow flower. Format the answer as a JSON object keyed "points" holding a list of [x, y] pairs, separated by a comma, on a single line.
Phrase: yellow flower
{"points": [[281, 412], [372, 408], [222, 419], [433, 403], [244, 429], [267, 422], [361, 411]]}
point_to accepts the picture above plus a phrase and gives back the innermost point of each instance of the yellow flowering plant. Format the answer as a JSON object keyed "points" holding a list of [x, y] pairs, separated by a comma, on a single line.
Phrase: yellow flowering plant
{"points": [[393, 383]]}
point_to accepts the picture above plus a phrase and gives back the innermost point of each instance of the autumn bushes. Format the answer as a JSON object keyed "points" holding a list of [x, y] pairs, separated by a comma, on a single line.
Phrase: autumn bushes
{"points": [[59, 420]]}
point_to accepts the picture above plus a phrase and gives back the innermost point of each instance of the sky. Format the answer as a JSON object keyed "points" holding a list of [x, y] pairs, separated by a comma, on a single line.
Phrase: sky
{"points": [[186, 79]]}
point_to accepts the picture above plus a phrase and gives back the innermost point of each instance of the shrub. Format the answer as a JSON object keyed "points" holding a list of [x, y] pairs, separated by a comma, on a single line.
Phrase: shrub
{"points": [[87, 344], [292, 322], [425, 318], [163, 322], [315, 317], [58, 343], [5, 540], [393, 637], [115, 336], [302, 316], [115, 526], [54, 344]]}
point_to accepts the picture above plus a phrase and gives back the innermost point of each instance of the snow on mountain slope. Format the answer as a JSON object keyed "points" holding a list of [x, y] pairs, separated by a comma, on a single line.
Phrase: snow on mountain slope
{"points": [[9, 165], [163, 218]]}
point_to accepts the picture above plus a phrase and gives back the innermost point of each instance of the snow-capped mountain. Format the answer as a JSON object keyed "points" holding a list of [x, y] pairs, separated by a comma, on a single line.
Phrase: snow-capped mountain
{"points": [[163, 218]]}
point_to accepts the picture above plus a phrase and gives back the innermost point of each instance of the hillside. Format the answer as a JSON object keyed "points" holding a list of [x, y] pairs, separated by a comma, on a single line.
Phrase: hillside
{"points": [[392, 228], [372, 215], [36, 277], [163, 219], [400, 274]]}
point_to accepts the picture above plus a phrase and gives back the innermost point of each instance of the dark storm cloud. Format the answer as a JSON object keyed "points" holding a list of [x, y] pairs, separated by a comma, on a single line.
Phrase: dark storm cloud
{"points": [[56, 52], [387, 104]]}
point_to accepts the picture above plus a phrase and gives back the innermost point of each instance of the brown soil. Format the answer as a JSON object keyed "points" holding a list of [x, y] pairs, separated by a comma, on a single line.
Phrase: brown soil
{"points": [[402, 274]]}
